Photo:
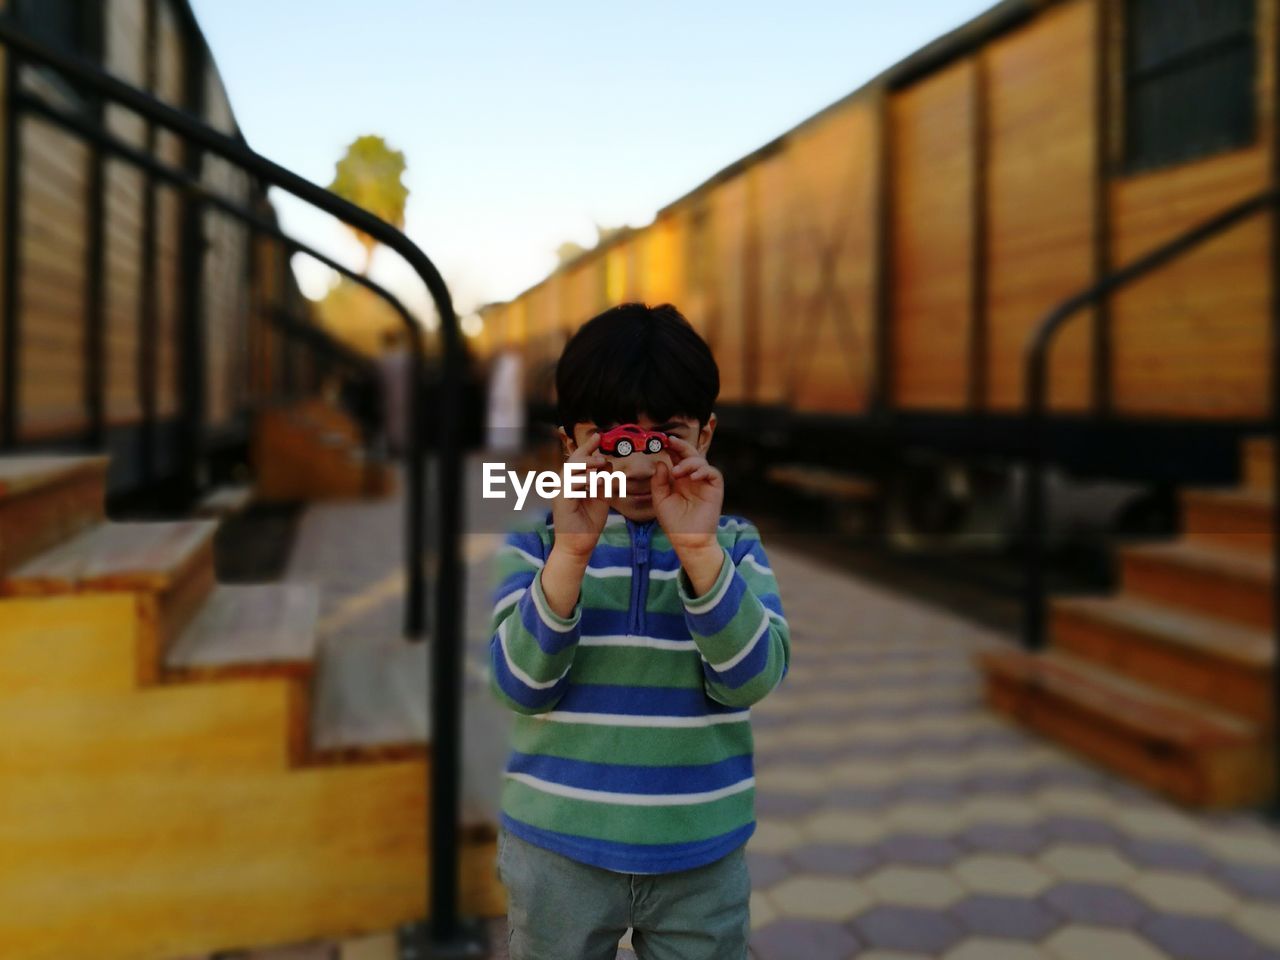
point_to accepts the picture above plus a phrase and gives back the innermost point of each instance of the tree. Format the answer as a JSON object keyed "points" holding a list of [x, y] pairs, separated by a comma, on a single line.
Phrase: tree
{"points": [[369, 176]]}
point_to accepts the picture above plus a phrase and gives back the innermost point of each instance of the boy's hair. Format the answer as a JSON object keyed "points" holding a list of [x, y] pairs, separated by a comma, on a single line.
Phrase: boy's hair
{"points": [[634, 359]]}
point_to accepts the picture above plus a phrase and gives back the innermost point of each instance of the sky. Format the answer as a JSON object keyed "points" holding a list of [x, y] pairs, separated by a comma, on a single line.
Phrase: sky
{"points": [[526, 124]]}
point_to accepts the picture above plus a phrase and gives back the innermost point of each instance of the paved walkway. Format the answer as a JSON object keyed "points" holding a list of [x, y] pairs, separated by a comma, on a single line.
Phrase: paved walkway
{"points": [[897, 817]]}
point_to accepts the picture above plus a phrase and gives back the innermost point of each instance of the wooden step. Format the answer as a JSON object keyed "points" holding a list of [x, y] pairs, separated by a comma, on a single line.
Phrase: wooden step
{"points": [[1212, 661], [169, 566], [249, 630], [1196, 755], [45, 500], [225, 501], [1258, 463], [1234, 518], [1209, 578]]}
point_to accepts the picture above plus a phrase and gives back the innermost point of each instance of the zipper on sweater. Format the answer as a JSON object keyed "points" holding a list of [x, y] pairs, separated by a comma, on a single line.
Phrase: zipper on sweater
{"points": [[639, 575]]}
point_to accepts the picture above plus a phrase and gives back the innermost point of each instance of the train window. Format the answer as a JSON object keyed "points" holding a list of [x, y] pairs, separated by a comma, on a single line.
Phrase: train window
{"points": [[65, 25], [1189, 79]]}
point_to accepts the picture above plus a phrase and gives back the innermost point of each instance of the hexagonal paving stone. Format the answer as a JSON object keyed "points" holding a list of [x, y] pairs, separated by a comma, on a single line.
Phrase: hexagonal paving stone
{"points": [[1261, 922], [774, 836], [985, 949], [785, 806], [842, 826], [1166, 854], [843, 859], [1201, 938], [1181, 893], [761, 909], [1074, 862], [907, 928], [819, 898], [1025, 839], [914, 886], [1080, 829], [1096, 904], [1086, 943], [814, 940], [918, 850], [997, 873], [766, 869], [1256, 881], [992, 915]]}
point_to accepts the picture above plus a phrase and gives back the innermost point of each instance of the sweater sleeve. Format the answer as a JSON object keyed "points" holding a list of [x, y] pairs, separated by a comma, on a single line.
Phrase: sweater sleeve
{"points": [[531, 647], [738, 625]]}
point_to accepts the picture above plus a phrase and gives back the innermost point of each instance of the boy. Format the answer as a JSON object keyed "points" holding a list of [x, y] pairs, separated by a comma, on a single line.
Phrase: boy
{"points": [[630, 636]]}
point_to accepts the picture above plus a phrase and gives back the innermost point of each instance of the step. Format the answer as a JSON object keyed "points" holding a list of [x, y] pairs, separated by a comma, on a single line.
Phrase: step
{"points": [[249, 630], [225, 501], [1196, 755], [168, 565], [1209, 578], [1240, 518], [44, 500], [1257, 460], [370, 703], [1206, 659]]}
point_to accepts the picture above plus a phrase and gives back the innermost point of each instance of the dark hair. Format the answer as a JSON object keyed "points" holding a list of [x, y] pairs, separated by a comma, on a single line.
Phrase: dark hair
{"points": [[634, 359]]}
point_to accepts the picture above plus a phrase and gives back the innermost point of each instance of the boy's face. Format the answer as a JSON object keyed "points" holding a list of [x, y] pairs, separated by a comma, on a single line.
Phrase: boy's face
{"points": [[638, 468]]}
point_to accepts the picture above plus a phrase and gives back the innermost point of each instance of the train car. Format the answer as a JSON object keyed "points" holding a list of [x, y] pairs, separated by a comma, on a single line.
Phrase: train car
{"points": [[870, 279], [135, 320]]}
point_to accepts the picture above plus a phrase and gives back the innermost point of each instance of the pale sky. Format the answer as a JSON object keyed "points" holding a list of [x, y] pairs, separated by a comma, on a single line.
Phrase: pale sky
{"points": [[524, 124]]}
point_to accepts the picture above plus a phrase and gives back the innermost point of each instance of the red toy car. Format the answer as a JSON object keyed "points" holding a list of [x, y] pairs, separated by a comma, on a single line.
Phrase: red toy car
{"points": [[626, 438]]}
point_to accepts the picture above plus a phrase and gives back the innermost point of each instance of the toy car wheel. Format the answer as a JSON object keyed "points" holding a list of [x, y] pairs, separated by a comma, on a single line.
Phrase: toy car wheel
{"points": [[624, 448], [654, 445]]}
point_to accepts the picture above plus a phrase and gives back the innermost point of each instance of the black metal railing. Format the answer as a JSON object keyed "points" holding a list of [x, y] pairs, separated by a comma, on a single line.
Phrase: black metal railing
{"points": [[1037, 386], [445, 933]]}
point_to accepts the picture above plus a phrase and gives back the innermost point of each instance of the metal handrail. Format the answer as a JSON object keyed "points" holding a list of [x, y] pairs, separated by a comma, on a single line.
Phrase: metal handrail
{"points": [[444, 930], [1037, 385]]}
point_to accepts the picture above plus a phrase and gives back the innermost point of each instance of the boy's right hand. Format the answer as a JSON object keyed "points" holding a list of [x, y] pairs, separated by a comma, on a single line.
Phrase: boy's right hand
{"points": [[580, 521]]}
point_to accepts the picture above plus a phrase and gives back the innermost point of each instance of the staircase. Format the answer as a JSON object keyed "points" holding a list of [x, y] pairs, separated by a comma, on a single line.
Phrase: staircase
{"points": [[1169, 681], [312, 451], [173, 784]]}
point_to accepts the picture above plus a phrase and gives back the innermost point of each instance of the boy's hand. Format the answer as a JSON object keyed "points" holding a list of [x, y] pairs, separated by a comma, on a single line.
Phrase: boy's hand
{"points": [[579, 521], [687, 498]]}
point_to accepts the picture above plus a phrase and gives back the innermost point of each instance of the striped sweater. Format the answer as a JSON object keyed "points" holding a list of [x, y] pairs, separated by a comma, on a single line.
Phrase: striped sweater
{"points": [[631, 744]]}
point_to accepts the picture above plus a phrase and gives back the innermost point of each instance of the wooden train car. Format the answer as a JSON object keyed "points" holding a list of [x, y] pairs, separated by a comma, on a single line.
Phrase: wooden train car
{"points": [[875, 274], [134, 319]]}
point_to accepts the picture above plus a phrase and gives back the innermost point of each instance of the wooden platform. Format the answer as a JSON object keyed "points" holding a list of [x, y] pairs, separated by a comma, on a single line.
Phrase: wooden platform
{"points": [[313, 452], [179, 777], [1169, 681]]}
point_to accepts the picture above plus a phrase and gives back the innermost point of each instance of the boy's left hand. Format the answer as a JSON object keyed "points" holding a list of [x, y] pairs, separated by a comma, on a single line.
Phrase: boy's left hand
{"points": [[687, 499]]}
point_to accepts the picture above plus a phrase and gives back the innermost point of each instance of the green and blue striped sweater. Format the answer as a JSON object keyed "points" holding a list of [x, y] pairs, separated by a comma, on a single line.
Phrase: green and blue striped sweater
{"points": [[631, 746]]}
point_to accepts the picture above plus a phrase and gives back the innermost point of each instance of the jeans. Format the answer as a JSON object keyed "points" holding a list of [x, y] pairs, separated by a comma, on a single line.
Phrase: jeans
{"points": [[560, 909]]}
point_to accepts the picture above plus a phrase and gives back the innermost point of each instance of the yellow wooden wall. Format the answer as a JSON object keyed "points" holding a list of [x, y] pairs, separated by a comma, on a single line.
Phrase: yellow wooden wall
{"points": [[724, 324], [834, 189], [933, 183], [1041, 162]]}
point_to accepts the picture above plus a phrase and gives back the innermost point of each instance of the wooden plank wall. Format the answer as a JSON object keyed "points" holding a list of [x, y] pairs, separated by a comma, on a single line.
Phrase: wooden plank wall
{"points": [[776, 291], [932, 183], [832, 180], [125, 186], [169, 80], [1193, 339], [724, 329], [223, 288], [52, 266]]}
